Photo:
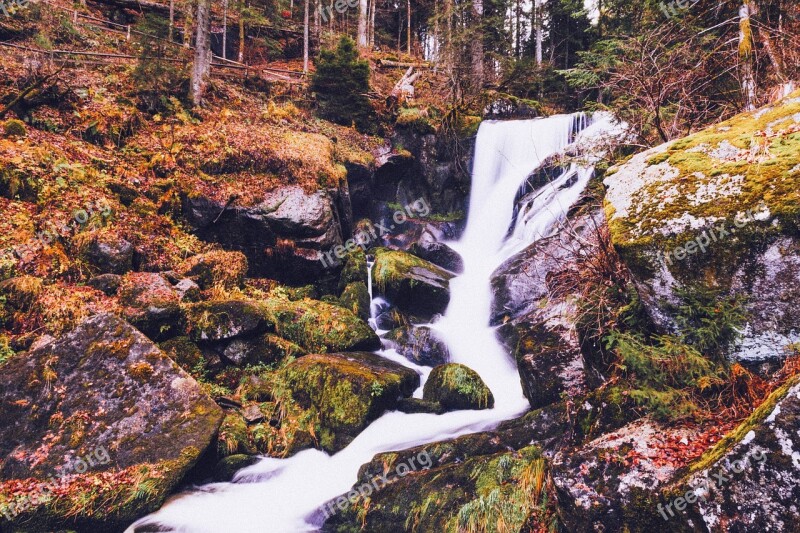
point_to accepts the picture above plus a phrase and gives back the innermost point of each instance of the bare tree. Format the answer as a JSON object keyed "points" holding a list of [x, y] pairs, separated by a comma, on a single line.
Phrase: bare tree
{"points": [[746, 56], [305, 37], [363, 24], [201, 67]]}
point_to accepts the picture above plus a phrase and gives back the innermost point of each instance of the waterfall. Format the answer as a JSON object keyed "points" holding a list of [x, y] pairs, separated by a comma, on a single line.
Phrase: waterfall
{"points": [[284, 495]]}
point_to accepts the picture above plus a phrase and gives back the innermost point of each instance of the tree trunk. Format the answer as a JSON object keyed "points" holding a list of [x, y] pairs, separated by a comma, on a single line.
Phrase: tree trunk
{"points": [[224, 29], [408, 32], [171, 18], [746, 56], [537, 21], [202, 52], [518, 28], [476, 48], [363, 23], [188, 23], [372, 8], [305, 37], [241, 37]]}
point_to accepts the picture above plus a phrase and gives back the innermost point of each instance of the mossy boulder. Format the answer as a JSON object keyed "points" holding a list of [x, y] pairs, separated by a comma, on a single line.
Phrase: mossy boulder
{"points": [[226, 319], [419, 344], [414, 285], [151, 304], [107, 253], [226, 468], [185, 353], [104, 385], [342, 393], [267, 348], [456, 386], [718, 209], [15, 128], [216, 269], [320, 327], [354, 270], [355, 297]]}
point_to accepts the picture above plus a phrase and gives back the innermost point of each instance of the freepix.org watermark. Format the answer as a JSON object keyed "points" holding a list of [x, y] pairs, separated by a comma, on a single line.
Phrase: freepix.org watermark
{"points": [[716, 480], [78, 465], [422, 461], [366, 236], [717, 233]]}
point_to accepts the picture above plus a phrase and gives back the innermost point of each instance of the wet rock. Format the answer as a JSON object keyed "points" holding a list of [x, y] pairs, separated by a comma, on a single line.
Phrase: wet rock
{"points": [[355, 297], [419, 344], [456, 386], [223, 269], [104, 385], [108, 253], [106, 283], [410, 283], [226, 319], [354, 270], [344, 392], [267, 348], [390, 319], [227, 467], [438, 253], [320, 327], [416, 405], [151, 304]]}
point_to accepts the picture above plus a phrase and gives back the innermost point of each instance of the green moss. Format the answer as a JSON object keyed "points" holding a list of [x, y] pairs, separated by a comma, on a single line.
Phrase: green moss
{"points": [[355, 297], [415, 119], [456, 386], [234, 438], [354, 270], [392, 266], [14, 128]]}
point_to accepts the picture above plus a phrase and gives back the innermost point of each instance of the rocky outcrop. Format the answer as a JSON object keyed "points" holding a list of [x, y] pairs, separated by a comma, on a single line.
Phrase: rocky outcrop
{"points": [[104, 386], [414, 285], [455, 386], [718, 209], [108, 253], [340, 394], [419, 344], [284, 236], [151, 304]]}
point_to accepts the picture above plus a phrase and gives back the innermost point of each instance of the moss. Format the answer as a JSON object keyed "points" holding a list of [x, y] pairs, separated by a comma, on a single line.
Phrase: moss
{"points": [[216, 269], [416, 119], [14, 128], [392, 266], [456, 386], [186, 354], [354, 270], [355, 297], [234, 438]]}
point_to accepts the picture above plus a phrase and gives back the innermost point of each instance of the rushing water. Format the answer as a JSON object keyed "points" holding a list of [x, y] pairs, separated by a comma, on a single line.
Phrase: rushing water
{"points": [[284, 495]]}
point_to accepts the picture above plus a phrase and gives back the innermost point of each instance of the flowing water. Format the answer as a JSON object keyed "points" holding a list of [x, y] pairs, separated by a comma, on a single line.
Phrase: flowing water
{"points": [[285, 495]]}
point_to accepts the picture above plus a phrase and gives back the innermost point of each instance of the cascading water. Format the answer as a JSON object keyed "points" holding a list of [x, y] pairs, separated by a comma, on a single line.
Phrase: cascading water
{"points": [[285, 495]]}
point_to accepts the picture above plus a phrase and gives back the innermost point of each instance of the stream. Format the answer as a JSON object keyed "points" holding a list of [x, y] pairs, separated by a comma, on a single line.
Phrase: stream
{"points": [[285, 495]]}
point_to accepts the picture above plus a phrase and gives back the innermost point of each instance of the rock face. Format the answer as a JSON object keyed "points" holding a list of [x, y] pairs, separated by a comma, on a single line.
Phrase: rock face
{"points": [[284, 236], [718, 209], [104, 385], [342, 393], [414, 285], [419, 344], [456, 386]]}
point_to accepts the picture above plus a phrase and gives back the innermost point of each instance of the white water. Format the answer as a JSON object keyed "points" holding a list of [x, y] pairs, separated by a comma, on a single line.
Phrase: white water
{"points": [[283, 495]]}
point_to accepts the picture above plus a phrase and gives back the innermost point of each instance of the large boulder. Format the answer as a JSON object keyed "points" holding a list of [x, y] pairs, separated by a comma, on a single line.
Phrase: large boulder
{"points": [[109, 411], [267, 348], [107, 253], [226, 319], [412, 284], [219, 268], [456, 386], [285, 234], [419, 344], [340, 394], [718, 209]]}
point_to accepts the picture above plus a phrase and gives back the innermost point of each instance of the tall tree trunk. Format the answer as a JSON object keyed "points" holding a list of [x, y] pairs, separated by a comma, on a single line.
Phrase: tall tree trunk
{"points": [[224, 29], [746, 56], [372, 8], [241, 35], [537, 24], [171, 18], [363, 24], [518, 43], [305, 37], [408, 32], [202, 52], [476, 47], [188, 23]]}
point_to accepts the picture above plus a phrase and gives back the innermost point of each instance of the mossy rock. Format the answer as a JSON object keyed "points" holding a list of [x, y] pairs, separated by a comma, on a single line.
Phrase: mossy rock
{"points": [[456, 386], [151, 304], [216, 269], [226, 468], [15, 128], [226, 319], [354, 270], [355, 297], [185, 353], [268, 348], [106, 252], [320, 327], [414, 285], [234, 438], [343, 393], [419, 344], [102, 385]]}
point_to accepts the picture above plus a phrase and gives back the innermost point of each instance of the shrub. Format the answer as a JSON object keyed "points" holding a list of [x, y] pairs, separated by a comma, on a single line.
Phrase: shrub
{"points": [[15, 128], [340, 85]]}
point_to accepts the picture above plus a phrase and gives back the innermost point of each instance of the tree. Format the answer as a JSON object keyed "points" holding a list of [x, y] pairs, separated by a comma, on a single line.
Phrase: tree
{"points": [[201, 67], [363, 24], [340, 85], [746, 56]]}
